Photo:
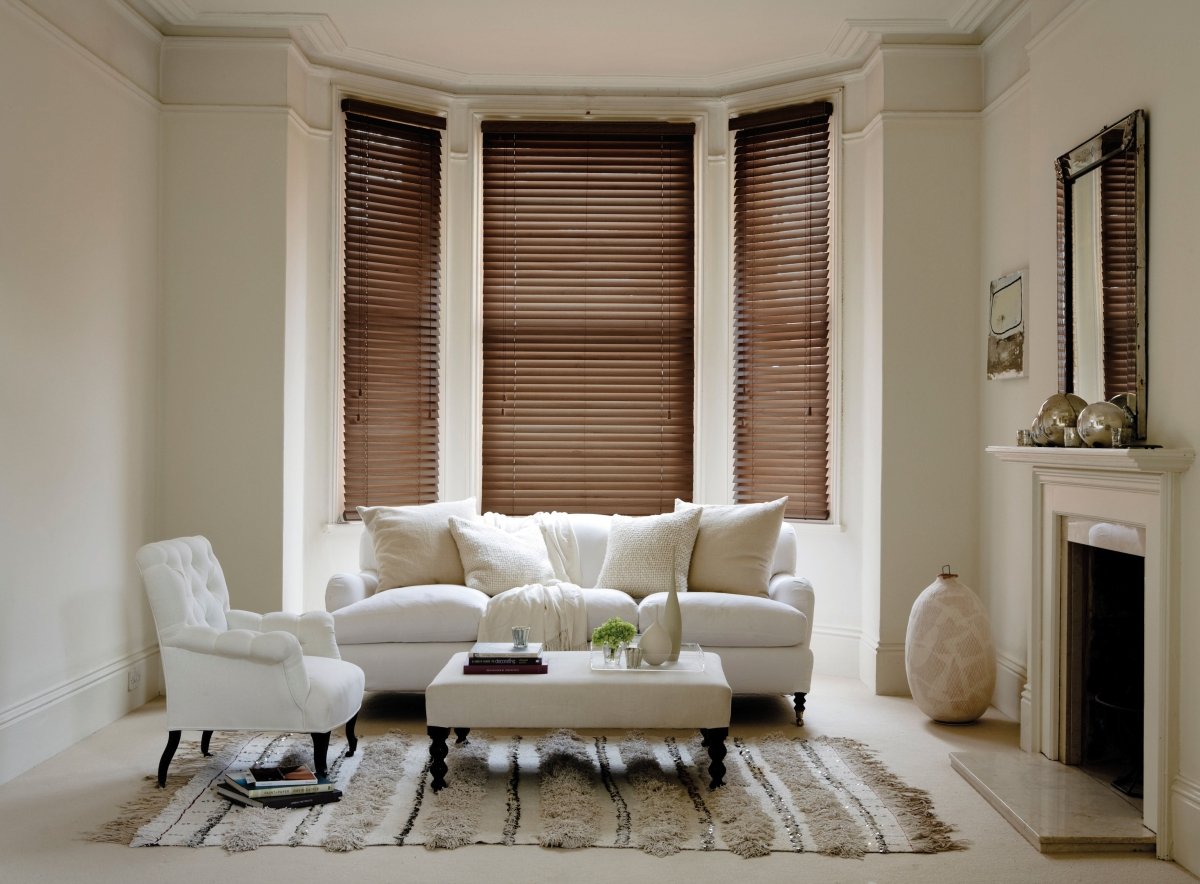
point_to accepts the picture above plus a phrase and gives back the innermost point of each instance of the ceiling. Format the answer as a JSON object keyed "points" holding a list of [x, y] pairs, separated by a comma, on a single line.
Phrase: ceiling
{"points": [[693, 46]]}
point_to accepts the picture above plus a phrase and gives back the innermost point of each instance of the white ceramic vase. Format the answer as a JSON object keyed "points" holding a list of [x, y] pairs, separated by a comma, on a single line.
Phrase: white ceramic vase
{"points": [[655, 644], [672, 621], [948, 652]]}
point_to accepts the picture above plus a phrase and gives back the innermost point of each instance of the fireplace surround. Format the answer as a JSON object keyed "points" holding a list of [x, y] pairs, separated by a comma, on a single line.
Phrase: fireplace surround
{"points": [[1122, 493]]}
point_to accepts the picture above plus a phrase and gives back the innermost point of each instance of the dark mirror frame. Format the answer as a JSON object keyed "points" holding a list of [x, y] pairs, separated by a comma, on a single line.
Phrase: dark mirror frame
{"points": [[1121, 138]]}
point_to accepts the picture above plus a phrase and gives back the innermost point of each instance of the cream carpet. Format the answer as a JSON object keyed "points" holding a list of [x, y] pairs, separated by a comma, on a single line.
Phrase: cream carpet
{"points": [[47, 812], [561, 789]]}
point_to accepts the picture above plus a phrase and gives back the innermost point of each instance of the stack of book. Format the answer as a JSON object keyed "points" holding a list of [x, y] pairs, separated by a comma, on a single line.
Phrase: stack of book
{"points": [[501, 658], [291, 786]]}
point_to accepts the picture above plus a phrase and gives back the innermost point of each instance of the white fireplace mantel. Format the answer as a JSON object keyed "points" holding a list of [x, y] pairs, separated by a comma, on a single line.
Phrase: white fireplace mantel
{"points": [[1138, 487]]}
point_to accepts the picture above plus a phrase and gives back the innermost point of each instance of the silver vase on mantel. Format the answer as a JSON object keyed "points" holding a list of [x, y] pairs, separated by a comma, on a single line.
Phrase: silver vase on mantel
{"points": [[1056, 414], [1098, 420]]}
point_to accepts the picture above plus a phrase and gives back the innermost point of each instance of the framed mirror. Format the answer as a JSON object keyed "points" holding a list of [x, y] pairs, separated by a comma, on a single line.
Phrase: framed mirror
{"points": [[1102, 191]]}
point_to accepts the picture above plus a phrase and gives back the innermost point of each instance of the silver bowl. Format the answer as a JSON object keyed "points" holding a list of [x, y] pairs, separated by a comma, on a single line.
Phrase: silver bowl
{"points": [[1056, 414], [1098, 420]]}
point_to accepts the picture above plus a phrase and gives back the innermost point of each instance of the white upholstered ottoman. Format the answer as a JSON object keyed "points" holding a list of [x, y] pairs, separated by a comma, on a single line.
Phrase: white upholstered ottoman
{"points": [[572, 695]]}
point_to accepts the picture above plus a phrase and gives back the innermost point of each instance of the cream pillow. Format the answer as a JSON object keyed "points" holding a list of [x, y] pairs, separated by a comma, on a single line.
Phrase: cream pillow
{"points": [[413, 545], [648, 554], [735, 546], [495, 560]]}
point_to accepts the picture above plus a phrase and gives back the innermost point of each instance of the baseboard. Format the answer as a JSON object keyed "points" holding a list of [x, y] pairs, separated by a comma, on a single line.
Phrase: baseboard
{"points": [[39, 728], [881, 667], [1185, 825], [835, 651], [1010, 681]]}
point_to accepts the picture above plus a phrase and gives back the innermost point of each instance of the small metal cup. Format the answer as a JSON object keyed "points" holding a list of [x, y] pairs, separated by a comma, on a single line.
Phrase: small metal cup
{"points": [[1024, 438], [1120, 437], [1071, 437], [520, 637], [633, 657]]}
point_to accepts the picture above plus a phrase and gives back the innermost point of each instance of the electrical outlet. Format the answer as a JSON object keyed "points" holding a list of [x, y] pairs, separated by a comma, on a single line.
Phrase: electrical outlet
{"points": [[135, 678]]}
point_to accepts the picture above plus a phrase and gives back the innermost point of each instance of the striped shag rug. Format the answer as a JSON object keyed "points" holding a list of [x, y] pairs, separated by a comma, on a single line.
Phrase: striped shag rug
{"points": [[643, 791]]}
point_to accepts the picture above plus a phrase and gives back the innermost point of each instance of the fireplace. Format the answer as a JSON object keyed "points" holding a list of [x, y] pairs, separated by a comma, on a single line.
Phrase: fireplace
{"points": [[1083, 500], [1104, 651]]}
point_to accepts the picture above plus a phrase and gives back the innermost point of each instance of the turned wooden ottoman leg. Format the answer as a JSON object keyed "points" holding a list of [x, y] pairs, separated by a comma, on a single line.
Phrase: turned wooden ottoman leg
{"points": [[714, 741], [437, 756], [798, 699]]}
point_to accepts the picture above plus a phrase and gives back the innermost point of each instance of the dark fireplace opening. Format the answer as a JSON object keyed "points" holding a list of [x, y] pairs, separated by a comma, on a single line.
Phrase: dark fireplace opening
{"points": [[1105, 629]]}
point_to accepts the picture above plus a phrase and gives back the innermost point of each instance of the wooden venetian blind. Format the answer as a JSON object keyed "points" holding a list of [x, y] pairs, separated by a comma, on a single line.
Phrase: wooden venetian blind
{"points": [[1118, 233], [392, 245], [781, 308], [587, 316]]}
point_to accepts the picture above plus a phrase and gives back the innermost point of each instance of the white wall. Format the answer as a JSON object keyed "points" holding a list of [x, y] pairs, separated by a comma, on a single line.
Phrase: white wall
{"points": [[79, 298], [1088, 67]]}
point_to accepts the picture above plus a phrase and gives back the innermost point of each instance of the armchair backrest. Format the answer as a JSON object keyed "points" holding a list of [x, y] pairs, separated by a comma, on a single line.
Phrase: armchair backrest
{"points": [[184, 583]]}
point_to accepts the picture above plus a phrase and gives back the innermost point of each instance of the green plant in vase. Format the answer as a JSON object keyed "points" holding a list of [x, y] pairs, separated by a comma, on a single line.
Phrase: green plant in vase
{"points": [[613, 634]]}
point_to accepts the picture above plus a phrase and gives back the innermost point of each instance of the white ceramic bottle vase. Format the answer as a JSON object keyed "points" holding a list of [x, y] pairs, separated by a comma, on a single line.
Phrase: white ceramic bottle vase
{"points": [[672, 621], [655, 644]]}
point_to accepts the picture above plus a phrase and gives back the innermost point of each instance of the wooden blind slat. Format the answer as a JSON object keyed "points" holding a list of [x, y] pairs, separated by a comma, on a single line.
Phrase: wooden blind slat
{"points": [[588, 293], [781, 308], [1118, 234], [392, 297]]}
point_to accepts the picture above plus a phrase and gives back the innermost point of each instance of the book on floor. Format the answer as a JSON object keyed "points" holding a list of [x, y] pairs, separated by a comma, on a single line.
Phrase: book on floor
{"points": [[279, 801], [238, 781], [285, 775]]}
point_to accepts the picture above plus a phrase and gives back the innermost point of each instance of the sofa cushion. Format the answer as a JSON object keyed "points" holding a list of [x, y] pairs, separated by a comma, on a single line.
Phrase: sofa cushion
{"points": [[413, 545], [605, 603], [648, 554], [725, 620], [735, 546], [495, 560], [436, 613]]}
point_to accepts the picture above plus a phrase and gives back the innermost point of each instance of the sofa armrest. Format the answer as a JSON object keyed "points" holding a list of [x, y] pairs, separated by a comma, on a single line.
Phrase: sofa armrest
{"points": [[345, 588], [314, 629], [794, 591]]}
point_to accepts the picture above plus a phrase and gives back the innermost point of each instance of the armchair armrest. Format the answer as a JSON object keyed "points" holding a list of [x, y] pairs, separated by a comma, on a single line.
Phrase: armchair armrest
{"points": [[346, 588], [794, 591], [314, 629]]}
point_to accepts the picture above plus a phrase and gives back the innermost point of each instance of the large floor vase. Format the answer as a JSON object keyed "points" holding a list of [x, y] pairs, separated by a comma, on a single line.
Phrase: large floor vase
{"points": [[948, 652]]}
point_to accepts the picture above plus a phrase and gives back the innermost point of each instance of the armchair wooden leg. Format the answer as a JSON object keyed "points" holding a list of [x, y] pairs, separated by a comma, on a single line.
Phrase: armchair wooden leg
{"points": [[799, 701], [351, 740], [205, 737], [320, 751], [168, 754]]}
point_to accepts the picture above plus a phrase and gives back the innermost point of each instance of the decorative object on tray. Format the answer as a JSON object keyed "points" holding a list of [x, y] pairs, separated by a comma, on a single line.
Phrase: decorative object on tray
{"points": [[500, 658], [1058, 412], [1100, 420], [562, 788], [655, 644], [613, 635], [948, 652], [673, 623]]}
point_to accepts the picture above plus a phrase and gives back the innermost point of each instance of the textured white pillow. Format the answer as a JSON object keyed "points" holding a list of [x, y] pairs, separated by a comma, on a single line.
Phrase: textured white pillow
{"points": [[735, 546], [495, 560], [413, 545], [648, 554]]}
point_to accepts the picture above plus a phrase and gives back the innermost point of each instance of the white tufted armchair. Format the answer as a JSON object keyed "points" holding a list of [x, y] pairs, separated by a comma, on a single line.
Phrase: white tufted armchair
{"points": [[234, 670]]}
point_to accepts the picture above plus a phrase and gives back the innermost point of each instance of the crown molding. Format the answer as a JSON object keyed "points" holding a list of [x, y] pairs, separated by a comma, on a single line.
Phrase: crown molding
{"points": [[319, 39]]}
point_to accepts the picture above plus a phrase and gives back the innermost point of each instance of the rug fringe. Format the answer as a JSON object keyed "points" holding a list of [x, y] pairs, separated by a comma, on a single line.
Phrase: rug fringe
{"points": [[570, 815], [912, 807]]}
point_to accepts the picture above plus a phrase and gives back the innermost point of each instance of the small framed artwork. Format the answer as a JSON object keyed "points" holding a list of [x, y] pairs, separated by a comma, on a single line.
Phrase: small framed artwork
{"points": [[1006, 327]]}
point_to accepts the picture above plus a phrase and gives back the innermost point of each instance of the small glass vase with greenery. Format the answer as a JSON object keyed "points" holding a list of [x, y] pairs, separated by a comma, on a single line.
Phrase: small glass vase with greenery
{"points": [[613, 635]]}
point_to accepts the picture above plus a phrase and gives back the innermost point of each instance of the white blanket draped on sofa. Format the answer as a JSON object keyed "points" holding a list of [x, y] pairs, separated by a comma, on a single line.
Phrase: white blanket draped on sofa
{"points": [[555, 613]]}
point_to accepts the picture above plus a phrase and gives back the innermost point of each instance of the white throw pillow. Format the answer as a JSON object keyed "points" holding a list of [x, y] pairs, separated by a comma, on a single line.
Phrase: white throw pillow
{"points": [[413, 545], [735, 546], [495, 560], [649, 554]]}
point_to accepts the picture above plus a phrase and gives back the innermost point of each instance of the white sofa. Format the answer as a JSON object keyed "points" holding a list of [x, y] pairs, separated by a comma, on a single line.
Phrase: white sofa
{"points": [[402, 637]]}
